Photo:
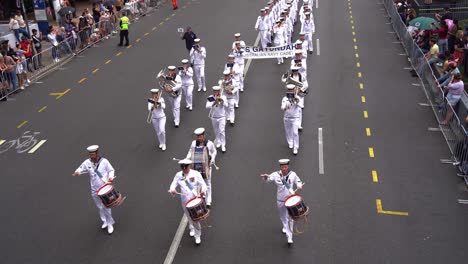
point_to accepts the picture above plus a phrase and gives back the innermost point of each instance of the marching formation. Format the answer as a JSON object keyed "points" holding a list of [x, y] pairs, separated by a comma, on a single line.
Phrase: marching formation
{"points": [[276, 25]]}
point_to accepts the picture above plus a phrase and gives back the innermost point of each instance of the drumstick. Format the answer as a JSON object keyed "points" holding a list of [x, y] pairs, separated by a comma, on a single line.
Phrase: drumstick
{"points": [[169, 191], [298, 188], [176, 159], [216, 167]]}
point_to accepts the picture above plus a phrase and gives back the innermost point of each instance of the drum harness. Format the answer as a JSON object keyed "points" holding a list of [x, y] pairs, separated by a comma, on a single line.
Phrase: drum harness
{"points": [[296, 230]]}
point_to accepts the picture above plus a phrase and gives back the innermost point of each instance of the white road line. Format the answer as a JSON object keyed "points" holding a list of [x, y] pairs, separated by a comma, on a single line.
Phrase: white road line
{"points": [[183, 223], [320, 145], [38, 145], [175, 243], [316, 4], [247, 65], [318, 47], [2, 141]]}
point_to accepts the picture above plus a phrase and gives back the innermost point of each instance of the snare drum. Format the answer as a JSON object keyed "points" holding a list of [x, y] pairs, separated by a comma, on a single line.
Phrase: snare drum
{"points": [[110, 197], [196, 208], [296, 206]]}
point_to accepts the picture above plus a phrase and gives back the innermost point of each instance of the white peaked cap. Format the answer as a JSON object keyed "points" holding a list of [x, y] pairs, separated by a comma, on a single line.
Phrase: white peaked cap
{"points": [[216, 88], [283, 161], [199, 131], [185, 162], [171, 67], [154, 90], [237, 35], [226, 72], [290, 86], [197, 40], [184, 61], [92, 148]]}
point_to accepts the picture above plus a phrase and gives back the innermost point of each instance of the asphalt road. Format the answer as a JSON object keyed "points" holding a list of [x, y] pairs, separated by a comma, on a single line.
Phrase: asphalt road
{"points": [[48, 216]]}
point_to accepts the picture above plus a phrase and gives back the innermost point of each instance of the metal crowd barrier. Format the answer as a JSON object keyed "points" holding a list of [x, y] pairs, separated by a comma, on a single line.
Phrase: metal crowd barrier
{"points": [[454, 131], [55, 57]]}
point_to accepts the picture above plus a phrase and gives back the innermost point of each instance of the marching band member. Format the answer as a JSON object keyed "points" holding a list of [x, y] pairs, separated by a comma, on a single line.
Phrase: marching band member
{"points": [[301, 92], [308, 27], [289, 26], [263, 26], [292, 113], [285, 181], [197, 57], [186, 74], [236, 74], [174, 93], [239, 60], [100, 172], [202, 153], [237, 37], [229, 86], [300, 62], [299, 46], [217, 104], [280, 36], [156, 106], [191, 185]]}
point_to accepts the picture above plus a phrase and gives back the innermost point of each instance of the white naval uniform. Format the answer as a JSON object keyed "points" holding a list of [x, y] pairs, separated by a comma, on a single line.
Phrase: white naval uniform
{"points": [[198, 60], [282, 193], [175, 101], [198, 185], [242, 44], [106, 171], [308, 28], [218, 119], [263, 26], [280, 38], [237, 76], [158, 118], [291, 119], [239, 60], [231, 100], [302, 69], [305, 86], [212, 153], [187, 85]]}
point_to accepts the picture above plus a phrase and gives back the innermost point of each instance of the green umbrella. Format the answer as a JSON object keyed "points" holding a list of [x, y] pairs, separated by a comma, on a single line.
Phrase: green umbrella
{"points": [[423, 23]]}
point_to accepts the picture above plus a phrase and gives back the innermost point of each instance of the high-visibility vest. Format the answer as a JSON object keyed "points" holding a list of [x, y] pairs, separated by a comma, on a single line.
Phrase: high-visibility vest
{"points": [[124, 23]]}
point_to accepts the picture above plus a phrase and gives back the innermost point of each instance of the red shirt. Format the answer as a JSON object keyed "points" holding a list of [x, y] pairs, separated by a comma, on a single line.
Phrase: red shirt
{"points": [[441, 31], [26, 47]]}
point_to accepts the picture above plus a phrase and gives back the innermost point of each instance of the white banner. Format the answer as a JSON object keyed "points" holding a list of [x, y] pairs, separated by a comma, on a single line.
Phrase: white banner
{"points": [[269, 52]]}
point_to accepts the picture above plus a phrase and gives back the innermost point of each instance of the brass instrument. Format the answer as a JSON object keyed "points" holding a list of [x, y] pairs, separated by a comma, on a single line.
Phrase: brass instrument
{"points": [[166, 83], [156, 104], [287, 79], [227, 86]]}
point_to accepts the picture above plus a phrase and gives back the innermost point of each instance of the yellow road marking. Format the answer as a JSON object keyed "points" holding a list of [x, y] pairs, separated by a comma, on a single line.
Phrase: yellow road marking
{"points": [[358, 64], [146, 34], [59, 95], [167, 18], [371, 152], [108, 61], [153, 29], [357, 55], [354, 33], [161, 23], [365, 114], [350, 11], [352, 22], [42, 109], [381, 211], [38, 145], [2, 141], [355, 47], [129, 46], [359, 74], [361, 86], [95, 70], [82, 80], [118, 54], [354, 40], [352, 27], [368, 132], [375, 178], [363, 99], [22, 124], [138, 40], [173, 14]]}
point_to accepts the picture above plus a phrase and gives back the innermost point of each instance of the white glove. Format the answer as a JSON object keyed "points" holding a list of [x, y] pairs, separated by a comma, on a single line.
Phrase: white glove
{"points": [[212, 162]]}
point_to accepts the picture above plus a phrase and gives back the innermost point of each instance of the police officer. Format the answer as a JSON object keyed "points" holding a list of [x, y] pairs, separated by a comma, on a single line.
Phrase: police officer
{"points": [[124, 22]]}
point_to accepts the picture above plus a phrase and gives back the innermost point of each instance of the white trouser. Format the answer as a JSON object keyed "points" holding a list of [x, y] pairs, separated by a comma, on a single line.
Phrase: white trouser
{"points": [[104, 212], [291, 128], [310, 43], [187, 91], [208, 187], [200, 72], [278, 44], [287, 222], [193, 226], [159, 125], [219, 126], [230, 111], [264, 38], [175, 103], [301, 101], [237, 97]]}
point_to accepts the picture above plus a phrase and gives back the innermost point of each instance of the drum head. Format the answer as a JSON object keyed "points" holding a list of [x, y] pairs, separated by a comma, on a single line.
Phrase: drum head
{"points": [[194, 202], [104, 189], [292, 200]]}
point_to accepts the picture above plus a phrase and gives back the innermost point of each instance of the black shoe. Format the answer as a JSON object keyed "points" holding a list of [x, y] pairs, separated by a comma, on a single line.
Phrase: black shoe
{"points": [[208, 206], [120, 45], [175, 8], [126, 45], [176, 126]]}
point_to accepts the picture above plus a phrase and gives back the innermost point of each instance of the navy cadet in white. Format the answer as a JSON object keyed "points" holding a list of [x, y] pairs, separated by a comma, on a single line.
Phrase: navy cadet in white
{"points": [[291, 105], [174, 94], [100, 172], [197, 58], [308, 27], [236, 74], [280, 36], [191, 185], [238, 52], [262, 26], [156, 106], [300, 62], [237, 38], [230, 89], [217, 104], [186, 75], [202, 153], [285, 180]]}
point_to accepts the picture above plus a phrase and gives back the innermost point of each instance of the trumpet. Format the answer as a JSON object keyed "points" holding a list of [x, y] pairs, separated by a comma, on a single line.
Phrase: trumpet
{"points": [[166, 83]]}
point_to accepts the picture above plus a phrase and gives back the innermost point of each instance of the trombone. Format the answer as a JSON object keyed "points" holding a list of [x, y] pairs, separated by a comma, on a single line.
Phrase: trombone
{"points": [[155, 104]]}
